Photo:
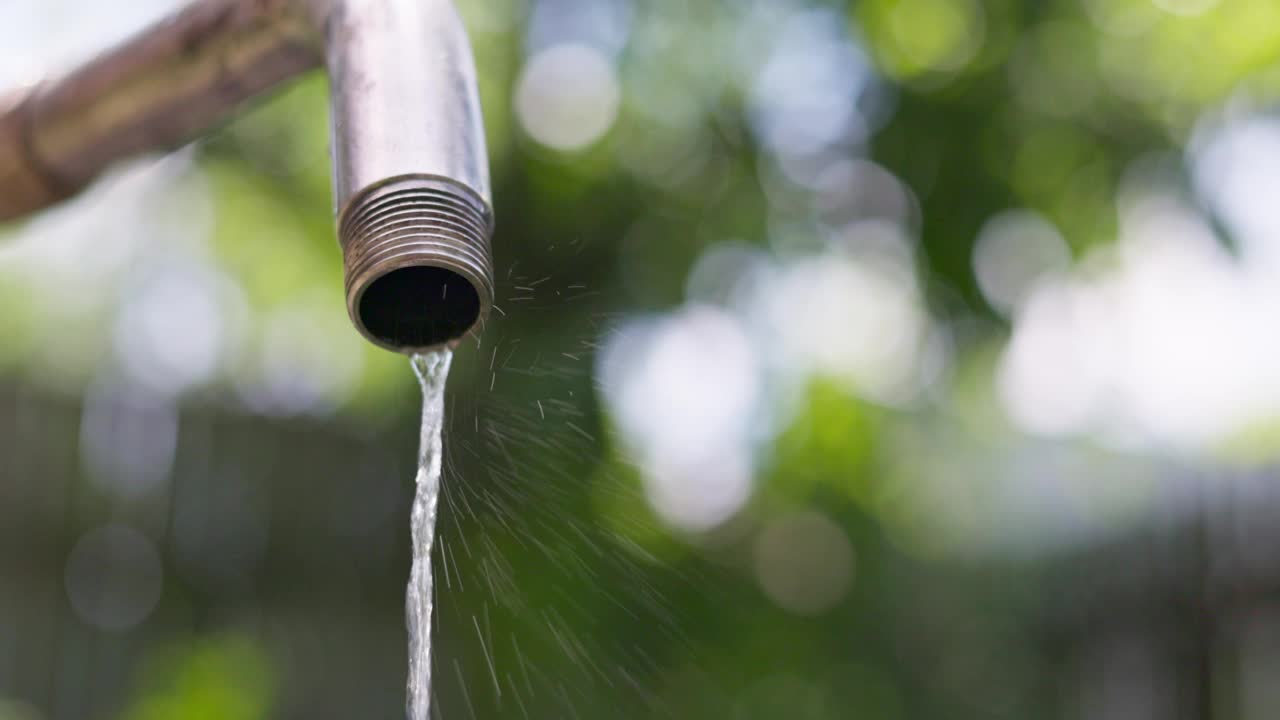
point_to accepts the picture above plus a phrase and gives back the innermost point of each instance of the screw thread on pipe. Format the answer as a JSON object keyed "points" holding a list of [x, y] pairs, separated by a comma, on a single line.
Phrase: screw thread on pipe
{"points": [[419, 273]]}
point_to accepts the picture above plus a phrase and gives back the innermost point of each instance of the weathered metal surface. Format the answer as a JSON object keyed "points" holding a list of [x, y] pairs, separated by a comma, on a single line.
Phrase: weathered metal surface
{"points": [[155, 92], [406, 113]]}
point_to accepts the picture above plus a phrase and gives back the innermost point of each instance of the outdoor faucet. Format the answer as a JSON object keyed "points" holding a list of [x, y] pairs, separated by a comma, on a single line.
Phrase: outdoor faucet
{"points": [[410, 169]]}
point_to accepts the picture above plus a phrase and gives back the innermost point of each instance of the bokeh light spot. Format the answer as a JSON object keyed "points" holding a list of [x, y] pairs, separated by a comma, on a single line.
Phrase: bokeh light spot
{"points": [[684, 391], [1014, 250], [568, 96], [128, 438], [806, 95], [805, 563], [916, 37], [114, 578], [853, 315]]}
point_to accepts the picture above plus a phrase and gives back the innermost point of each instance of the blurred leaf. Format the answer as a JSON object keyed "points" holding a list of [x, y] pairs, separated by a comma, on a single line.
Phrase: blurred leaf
{"points": [[826, 448], [225, 678]]}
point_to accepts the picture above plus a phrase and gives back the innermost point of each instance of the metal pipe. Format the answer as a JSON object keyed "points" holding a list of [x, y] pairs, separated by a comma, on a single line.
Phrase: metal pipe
{"points": [[411, 174], [411, 184]]}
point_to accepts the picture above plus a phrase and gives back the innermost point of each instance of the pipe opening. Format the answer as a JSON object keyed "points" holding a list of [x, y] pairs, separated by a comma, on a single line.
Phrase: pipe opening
{"points": [[419, 306], [418, 272]]}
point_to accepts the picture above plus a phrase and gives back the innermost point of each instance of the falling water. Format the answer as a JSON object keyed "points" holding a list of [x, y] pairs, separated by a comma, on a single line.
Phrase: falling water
{"points": [[432, 369]]}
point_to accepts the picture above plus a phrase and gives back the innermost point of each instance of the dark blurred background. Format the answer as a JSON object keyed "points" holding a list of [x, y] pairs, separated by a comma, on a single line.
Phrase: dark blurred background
{"points": [[886, 359]]}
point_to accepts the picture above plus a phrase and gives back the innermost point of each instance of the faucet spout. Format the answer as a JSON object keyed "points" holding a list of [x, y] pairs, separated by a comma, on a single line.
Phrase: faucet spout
{"points": [[410, 168]]}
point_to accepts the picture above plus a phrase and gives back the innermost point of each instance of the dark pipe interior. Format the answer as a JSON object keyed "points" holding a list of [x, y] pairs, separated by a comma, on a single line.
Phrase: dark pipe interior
{"points": [[417, 307]]}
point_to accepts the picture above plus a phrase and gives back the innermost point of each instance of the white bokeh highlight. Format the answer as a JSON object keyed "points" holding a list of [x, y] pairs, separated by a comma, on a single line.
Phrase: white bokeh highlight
{"points": [[567, 97], [172, 331], [852, 314], [1236, 167], [806, 95], [697, 394], [1014, 251], [684, 390], [1166, 340]]}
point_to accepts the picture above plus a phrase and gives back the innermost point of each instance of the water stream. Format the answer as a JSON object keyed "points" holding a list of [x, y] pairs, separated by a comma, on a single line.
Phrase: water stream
{"points": [[432, 370]]}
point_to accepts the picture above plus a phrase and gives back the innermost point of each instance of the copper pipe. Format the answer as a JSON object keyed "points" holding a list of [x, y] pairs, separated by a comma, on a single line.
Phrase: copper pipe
{"points": [[411, 184]]}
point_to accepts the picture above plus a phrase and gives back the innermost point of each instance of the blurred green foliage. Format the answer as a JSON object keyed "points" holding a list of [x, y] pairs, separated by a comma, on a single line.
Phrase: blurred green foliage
{"points": [[568, 596], [212, 678]]}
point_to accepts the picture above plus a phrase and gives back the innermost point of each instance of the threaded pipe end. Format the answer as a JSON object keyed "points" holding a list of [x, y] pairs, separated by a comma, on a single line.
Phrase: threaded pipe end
{"points": [[419, 273]]}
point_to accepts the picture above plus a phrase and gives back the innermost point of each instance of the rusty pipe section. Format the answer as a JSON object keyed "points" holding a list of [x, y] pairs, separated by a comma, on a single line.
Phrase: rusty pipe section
{"points": [[155, 92], [410, 168]]}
